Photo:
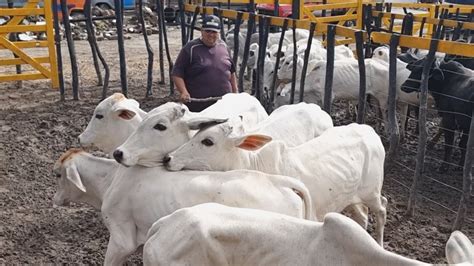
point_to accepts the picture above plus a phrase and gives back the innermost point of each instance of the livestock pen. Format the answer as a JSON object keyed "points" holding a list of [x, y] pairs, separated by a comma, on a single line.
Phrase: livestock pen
{"points": [[438, 194]]}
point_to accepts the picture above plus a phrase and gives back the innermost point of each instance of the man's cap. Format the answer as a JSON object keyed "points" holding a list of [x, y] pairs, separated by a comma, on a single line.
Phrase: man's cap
{"points": [[211, 22]]}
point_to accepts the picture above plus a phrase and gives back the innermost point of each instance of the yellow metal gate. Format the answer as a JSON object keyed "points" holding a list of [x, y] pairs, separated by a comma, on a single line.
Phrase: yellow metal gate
{"points": [[44, 67]]}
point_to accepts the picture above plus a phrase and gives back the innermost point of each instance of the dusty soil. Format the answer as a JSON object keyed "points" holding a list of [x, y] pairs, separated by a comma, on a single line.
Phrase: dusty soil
{"points": [[36, 128]]}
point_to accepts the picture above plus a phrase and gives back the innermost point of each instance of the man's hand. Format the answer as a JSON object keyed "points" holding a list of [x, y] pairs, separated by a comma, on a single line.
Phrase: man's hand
{"points": [[184, 97]]}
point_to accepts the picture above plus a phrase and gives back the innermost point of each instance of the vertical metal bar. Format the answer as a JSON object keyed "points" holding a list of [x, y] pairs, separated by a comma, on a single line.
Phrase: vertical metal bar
{"points": [[93, 42], [182, 20], [330, 42], [236, 33], [121, 46], [219, 15], [420, 156], [359, 38], [245, 57], [72, 51], [312, 27], [467, 179], [57, 42], [149, 81], [193, 24], [277, 66], [392, 96], [295, 63]]}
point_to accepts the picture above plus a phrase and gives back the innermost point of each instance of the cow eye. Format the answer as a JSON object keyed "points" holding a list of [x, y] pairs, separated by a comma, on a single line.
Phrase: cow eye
{"points": [[99, 116], [160, 127], [207, 142]]}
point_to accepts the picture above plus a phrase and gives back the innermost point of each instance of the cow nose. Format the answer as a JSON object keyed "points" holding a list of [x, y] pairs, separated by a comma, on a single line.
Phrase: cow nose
{"points": [[166, 159], [118, 155]]}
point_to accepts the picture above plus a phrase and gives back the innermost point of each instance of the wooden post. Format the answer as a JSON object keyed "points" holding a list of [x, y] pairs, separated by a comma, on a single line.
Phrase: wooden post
{"points": [[237, 24], [392, 96], [330, 42], [72, 51], [94, 46], [59, 59], [420, 156], [149, 81], [295, 63], [121, 46], [184, 40], [277, 65], [467, 179], [245, 57], [359, 37], [306, 59]]}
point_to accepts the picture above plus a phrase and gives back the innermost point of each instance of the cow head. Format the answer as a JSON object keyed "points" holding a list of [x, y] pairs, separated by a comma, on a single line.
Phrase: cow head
{"points": [[214, 148], [70, 187], [113, 120], [413, 83], [164, 129]]}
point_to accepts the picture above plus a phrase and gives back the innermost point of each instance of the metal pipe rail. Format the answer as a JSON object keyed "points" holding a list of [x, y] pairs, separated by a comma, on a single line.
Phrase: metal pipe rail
{"points": [[450, 47], [321, 28]]}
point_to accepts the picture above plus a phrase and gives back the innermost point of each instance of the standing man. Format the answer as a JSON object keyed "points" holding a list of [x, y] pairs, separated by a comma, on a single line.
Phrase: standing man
{"points": [[204, 67]]}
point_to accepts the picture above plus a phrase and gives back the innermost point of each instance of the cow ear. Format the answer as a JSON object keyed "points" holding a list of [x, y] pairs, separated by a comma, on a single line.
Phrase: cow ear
{"points": [[459, 249], [201, 123], [73, 175], [126, 109], [252, 142]]}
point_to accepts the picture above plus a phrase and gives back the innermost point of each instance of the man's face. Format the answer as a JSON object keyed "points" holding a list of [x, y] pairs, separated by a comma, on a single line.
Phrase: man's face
{"points": [[209, 37]]}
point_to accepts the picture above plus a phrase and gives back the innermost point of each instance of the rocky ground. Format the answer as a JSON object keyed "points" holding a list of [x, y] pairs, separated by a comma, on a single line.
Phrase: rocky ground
{"points": [[36, 128]]}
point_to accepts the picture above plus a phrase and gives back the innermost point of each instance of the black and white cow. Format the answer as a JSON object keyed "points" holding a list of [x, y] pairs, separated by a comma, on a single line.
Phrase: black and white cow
{"points": [[452, 87]]}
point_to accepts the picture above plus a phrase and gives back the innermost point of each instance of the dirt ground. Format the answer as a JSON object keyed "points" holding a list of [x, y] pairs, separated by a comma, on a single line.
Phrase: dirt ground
{"points": [[36, 128]]}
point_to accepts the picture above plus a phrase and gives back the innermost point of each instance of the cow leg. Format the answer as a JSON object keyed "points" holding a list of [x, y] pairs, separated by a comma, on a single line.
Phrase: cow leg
{"points": [[360, 214], [448, 128], [122, 243], [403, 120], [379, 206]]}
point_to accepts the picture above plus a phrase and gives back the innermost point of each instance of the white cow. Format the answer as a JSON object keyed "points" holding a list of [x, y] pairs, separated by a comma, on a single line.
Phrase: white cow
{"points": [[342, 167], [294, 124], [214, 234], [169, 126], [138, 196], [114, 119]]}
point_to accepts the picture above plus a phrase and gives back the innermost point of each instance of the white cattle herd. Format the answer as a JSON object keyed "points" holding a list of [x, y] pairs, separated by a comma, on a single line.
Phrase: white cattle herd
{"points": [[232, 185]]}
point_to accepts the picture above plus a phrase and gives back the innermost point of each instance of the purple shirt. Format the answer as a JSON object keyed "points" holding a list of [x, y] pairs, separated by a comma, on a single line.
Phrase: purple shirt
{"points": [[206, 70]]}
